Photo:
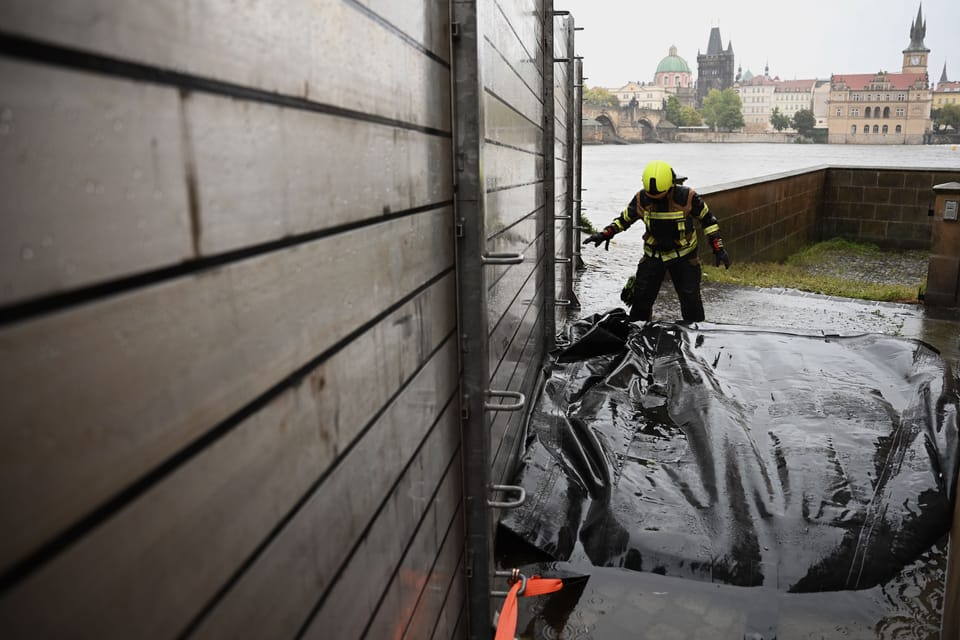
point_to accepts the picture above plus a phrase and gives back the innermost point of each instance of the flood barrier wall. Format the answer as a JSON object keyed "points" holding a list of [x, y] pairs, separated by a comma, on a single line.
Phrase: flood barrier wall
{"points": [[233, 323]]}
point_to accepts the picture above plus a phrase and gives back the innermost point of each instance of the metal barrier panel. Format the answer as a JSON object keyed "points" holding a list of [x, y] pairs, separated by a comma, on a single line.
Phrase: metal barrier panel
{"points": [[506, 143], [229, 353]]}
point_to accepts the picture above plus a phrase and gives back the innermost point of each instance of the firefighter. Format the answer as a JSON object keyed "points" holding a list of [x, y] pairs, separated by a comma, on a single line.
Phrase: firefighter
{"points": [[667, 209]]}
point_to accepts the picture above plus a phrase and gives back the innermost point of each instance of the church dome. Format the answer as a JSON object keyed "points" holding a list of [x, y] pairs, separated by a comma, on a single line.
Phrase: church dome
{"points": [[673, 63]]}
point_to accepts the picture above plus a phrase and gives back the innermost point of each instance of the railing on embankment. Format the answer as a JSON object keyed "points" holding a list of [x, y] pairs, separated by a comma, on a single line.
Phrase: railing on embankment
{"points": [[264, 272]]}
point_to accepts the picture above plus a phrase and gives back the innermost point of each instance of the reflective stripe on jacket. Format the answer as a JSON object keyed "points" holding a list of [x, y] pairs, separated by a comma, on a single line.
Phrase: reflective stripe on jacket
{"points": [[670, 233]]}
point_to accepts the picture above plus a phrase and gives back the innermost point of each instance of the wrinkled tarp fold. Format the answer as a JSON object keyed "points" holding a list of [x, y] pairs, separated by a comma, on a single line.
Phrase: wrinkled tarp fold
{"points": [[738, 455]]}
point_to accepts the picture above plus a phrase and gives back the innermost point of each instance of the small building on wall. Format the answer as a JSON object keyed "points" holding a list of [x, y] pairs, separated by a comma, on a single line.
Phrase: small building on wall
{"points": [[882, 107]]}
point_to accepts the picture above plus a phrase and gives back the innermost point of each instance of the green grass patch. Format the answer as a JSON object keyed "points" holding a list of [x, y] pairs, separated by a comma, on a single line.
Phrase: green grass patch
{"points": [[795, 273], [586, 226]]}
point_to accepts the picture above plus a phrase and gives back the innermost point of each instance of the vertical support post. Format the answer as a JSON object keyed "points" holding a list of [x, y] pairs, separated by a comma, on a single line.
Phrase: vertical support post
{"points": [[578, 192], [469, 212], [549, 188], [568, 237]]}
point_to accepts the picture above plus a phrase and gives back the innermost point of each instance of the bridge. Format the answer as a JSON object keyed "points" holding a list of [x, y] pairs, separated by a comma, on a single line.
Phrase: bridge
{"points": [[628, 123]]}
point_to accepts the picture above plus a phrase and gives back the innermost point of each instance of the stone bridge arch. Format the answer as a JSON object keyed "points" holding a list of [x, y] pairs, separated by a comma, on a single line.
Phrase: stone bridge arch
{"points": [[628, 123]]}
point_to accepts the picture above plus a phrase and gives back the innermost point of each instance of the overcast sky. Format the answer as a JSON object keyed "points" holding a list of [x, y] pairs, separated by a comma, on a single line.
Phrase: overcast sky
{"points": [[624, 40]]}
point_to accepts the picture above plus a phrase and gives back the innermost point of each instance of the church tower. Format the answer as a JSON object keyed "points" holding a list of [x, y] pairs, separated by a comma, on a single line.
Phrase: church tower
{"points": [[714, 68], [915, 56]]}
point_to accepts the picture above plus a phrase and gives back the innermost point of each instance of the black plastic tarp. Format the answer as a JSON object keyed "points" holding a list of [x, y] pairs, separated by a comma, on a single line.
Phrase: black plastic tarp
{"points": [[739, 455]]}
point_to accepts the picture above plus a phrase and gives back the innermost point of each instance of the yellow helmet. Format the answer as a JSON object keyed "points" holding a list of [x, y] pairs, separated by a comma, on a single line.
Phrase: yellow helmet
{"points": [[657, 178]]}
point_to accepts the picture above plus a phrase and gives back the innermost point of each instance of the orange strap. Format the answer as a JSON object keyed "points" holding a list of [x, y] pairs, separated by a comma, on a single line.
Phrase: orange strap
{"points": [[536, 586]]}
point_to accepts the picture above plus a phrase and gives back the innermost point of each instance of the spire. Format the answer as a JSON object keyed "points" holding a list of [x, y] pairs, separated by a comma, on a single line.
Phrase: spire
{"points": [[943, 76], [918, 30], [715, 46], [729, 46]]}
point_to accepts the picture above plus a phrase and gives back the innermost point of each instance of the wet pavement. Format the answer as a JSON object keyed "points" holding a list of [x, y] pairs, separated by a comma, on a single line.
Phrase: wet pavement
{"points": [[599, 288]]}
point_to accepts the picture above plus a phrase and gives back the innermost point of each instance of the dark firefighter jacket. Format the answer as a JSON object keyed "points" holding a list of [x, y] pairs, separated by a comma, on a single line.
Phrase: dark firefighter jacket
{"points": [[670, 233]]}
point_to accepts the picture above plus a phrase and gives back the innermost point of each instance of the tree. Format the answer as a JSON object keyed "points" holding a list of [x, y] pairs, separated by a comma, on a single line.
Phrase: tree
{"points": [[674, 111], [690, 117], [804, 121], [723, 110], [778, 120], [600, 97], [947, 115]]}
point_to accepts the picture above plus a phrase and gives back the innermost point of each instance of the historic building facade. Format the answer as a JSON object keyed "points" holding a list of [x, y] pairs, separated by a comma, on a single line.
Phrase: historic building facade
{"points": [[715, 67], [676, 78], [642, 95], [756, 95], [884, 108], [946, 92]]}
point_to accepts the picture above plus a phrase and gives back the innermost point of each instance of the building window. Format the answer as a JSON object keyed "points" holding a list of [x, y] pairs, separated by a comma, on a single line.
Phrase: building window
{"points": [[884, 129], [839, 111], [899, 128], [866, 128], [853, 129], [886, 112], [901, 97], [856, 97], [855, 112], [866, 112], [901, 112], [876, 129]]}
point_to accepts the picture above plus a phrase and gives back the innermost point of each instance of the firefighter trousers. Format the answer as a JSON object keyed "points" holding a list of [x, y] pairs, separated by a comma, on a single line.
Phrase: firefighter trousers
{"points": [[684, 272]]}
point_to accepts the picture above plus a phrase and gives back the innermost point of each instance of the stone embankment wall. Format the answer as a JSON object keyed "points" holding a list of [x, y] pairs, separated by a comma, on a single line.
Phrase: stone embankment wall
{"points": [[770, 219], [682, 135]]}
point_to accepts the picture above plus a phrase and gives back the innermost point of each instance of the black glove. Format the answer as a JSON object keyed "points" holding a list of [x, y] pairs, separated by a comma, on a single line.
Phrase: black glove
{"points": [[603, 236], [719, 253]]}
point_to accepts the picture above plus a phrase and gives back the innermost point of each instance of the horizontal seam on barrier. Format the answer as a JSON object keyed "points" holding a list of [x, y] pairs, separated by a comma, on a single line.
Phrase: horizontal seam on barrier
{"points": [[75, 532], [533, 272], [520, 41], [515, 223], [510, 106], [56, 302], [376, 17], [531, 371], [493, 283], [433, 566], [72, 58], [505, 145], [509, 64], [515, 186], [291, 514], [383, 504]]}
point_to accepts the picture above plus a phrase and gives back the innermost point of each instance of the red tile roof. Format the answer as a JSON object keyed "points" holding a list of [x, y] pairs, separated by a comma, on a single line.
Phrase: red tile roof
{"points": [[859, 81], [952, 86]]}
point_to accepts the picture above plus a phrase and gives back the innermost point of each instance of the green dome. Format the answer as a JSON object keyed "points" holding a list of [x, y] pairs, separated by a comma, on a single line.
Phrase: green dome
{"points": [[673, 63]]}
